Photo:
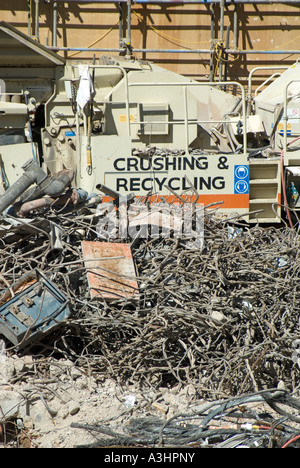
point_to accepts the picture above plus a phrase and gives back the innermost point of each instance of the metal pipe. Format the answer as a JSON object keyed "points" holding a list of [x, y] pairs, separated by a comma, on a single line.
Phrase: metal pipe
{"points": [[32, 174], [266, 82], [108, 191], [69, 198], [222, 6], [37, 18], [84, 49], [29, 17], [212, 37], [54, 38], [226, 55], [175, 51], [251, 51], [186, 119], [235, 27], [179, 122], [120, 24], [129, 21], [54, 185], [157, 51]]}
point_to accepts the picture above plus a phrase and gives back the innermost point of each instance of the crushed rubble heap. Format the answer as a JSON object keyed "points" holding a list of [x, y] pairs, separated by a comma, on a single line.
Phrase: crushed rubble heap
{"points": [[224, 318]]}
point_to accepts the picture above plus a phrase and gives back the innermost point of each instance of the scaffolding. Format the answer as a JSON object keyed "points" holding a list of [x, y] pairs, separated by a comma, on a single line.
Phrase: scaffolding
{"points": [[126, 47]]}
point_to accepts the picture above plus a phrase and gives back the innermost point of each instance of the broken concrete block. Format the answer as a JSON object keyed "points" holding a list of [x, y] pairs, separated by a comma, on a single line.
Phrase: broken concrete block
{"points": [[12, 405]]}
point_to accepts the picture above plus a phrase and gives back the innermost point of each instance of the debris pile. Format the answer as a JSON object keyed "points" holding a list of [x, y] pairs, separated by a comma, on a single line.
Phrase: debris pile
{"points": [[264, 419], [152, 311], [225, 317]]}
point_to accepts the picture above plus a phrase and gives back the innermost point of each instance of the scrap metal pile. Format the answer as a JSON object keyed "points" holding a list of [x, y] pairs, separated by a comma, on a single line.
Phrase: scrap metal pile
{"points": [[224, 318]]}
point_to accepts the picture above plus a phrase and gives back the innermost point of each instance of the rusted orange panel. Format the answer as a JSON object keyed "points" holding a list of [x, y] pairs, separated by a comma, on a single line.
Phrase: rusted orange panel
{"points": [[110, 270]]}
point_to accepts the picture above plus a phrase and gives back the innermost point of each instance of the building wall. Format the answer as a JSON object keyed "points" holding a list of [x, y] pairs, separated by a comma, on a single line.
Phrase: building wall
{"points": [[269, 27]]}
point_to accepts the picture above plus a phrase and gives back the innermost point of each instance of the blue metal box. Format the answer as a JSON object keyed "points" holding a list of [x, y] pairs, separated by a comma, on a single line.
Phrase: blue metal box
{"points": [[33, 312]]}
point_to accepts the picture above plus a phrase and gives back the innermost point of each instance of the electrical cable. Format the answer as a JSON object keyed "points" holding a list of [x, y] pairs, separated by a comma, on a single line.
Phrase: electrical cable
{"points": [[182, 430], [172, 39], [289, 442], [97, 40]]}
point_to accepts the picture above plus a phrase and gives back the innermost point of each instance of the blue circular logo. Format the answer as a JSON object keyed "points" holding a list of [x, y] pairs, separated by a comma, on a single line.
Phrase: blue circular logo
{"points": [[241, 172], [241, 186]]}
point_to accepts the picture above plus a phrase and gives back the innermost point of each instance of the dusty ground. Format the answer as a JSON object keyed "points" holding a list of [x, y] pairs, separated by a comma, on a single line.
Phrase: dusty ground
{"points": [[44, 407], [41, 400]]}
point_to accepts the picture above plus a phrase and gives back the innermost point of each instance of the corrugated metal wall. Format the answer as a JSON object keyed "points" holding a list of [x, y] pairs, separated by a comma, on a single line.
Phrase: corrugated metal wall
{"points": [[253, 34]]}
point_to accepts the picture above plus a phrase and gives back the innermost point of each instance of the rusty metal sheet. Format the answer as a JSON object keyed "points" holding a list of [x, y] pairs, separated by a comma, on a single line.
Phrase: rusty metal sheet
{"points": [[110, 270]]}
